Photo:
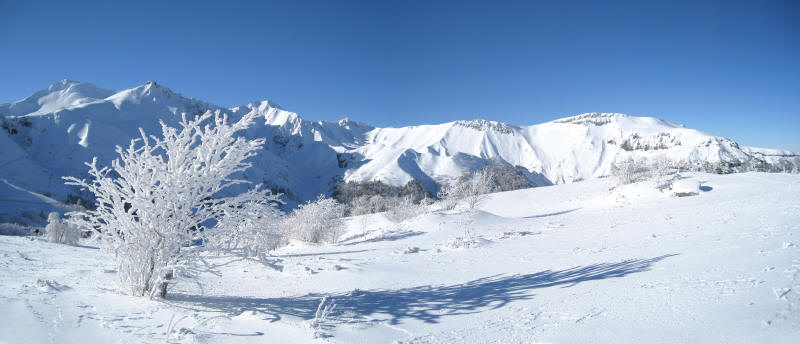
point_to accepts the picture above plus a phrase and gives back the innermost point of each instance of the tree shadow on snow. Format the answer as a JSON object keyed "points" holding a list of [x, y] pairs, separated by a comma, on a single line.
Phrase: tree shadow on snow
{"points": [[426, 303], [387, 237], [552, 214], [317, 253]]}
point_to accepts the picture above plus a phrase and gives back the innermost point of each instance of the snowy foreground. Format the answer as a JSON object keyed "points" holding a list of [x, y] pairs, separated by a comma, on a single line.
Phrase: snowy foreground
{"points": [[565, 263]]}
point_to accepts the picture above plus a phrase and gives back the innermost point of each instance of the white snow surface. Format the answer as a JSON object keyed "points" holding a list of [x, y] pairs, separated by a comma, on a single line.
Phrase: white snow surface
{"points": [[685, 187], [570, 263], [55, 131]]}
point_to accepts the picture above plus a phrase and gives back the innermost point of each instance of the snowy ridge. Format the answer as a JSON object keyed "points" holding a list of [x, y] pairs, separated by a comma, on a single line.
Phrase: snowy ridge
{"points": [[64, 94], [770, 152], [484, 125], [594, 118], [54, 131]]}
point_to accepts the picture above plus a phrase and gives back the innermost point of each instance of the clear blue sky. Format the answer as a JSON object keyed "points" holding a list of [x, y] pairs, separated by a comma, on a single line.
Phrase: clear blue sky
{"points": [[731, 68]]}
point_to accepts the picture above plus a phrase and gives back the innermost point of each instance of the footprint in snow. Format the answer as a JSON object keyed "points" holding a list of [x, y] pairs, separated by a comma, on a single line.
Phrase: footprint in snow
{"points": [[50, 285], [780, 293]]}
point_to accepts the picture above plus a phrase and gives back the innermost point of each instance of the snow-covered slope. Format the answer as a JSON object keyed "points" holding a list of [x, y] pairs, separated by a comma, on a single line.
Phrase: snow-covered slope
{"points": [[53, 132], [571, 263], [62, 95], [564, 150]]}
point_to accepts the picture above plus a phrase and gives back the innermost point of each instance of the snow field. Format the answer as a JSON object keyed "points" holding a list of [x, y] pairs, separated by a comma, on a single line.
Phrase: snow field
{"points": [[567, 263]]}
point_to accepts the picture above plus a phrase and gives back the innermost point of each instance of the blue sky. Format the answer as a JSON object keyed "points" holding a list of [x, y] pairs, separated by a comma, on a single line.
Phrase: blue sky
{"points": [[730, 67]]}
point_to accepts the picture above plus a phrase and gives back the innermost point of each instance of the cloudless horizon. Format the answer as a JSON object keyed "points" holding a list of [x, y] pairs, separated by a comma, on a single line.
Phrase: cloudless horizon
{"points": [[730, 68]]}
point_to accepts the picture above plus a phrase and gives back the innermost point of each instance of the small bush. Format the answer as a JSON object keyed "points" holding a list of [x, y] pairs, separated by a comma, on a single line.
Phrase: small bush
{"points": [[368, 204], [448, 199], [14, 229], [61, 232], [631, 171], [402, 209], [251, 228], [471, 188], [318, 221], [658, 168]]}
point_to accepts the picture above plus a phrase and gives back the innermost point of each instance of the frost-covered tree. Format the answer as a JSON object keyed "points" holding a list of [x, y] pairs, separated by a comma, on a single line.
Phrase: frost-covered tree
{"points": [[470, 188], [477, 186], [661, 167], [448, 196], [658, 167], [161, 193], [60, 231], [365, 204], [318, 221], [631, 171], [404, 208]]}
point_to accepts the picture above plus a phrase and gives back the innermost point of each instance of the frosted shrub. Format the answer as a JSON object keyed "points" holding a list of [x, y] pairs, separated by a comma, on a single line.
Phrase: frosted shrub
{"points": [[322, 319], [477, 187], [661, 167], [61, 232], [448, 197], [472, 189], [318, 221], [631, 171], [15, 229], [251, 228], [159, 195], [468, 238], [366, 204], [359, 206], [403, 208]]}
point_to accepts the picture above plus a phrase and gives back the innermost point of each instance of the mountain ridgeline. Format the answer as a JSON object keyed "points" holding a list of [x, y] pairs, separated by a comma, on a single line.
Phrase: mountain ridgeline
{"points": [[53, 132]]}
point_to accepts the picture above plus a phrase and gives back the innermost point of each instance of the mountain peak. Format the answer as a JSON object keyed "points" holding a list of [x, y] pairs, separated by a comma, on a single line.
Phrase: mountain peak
{"points": [[62, 84], [349, 123], [266, 103], [159, 98], [60, 95], [65, 84], [151, 87]]}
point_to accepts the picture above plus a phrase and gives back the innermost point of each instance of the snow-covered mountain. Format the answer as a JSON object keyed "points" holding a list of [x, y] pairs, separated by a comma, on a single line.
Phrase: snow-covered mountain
{"points": [[54, 131]]}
